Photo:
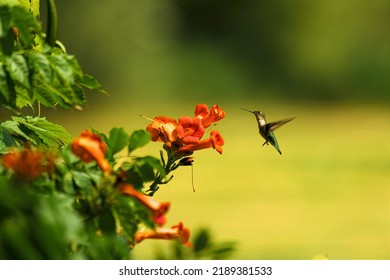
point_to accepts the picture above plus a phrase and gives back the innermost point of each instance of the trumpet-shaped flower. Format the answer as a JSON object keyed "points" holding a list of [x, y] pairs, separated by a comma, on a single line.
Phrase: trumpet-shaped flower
{"points": [[163, 129], [185, 135], [208, 117], [177, 232], [158, 209], [88, 147], [215, 141], [189, 130]]}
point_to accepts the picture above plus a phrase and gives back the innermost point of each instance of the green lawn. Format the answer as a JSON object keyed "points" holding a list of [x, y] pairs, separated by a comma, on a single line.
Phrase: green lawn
{"points": [[327, 194]]}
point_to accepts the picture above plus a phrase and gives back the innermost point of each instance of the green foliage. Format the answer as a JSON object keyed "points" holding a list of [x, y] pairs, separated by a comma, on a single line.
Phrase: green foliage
{"points": [[37, 226], [64, 199], [117, 140], [33, 71], [37, 131], [138, 139]]}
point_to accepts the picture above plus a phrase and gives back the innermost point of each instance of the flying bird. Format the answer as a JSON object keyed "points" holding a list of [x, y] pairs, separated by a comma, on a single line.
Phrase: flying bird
{"points": [[266, 129]]}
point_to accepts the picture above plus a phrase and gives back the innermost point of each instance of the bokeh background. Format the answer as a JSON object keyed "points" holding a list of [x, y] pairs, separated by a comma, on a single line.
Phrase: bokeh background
{"points": [[327, 62]]}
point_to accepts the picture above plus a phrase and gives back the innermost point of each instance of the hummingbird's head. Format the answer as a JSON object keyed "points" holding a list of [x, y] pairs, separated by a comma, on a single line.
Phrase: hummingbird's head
{"points": [[256, 113], [260, 116]]}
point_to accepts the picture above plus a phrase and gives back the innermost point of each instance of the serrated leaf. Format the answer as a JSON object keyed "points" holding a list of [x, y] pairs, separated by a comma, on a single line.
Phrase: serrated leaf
{"points": [[63, 95], [45, 96], [34, 7], [117, 139], [51, 96], [79, 97], [62, 68], [6, 138], [53, 135], [74, 64], [23, 98], [13, 127], [138, 139], [41, 64], [90, 82], [18, 70]]}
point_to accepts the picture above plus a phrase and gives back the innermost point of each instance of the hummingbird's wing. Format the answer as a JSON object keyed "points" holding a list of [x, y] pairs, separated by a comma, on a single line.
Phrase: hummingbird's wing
{"points": [[274, 125]]}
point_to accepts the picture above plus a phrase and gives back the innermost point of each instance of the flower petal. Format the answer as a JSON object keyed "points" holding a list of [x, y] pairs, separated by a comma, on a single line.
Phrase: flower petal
{"points": [[162, 129], [158, 209], [178, 232], [88, 147], [189, 130], [209, 117]]}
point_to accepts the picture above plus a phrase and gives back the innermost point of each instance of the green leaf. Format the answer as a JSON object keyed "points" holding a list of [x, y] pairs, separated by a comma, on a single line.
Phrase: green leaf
{"points": [[34, 7], [74, 64], [7, 90], [62, 94], [117, 139], [67, 183], [134, 177], [51, 95], [30, 5], [147, 172], [90, 82], [202, 240], [44, 95], [138, 139], [78, 95], [36, 226], [17, 67], [5, 21], [23, 98], [106, 222], [82, 180], [25, 22], [62, 68], [41, 64], [6, 138], [222, 250], [25, 4], [6, 35], [125, 216], [152, 162], [53, 135], [13, 127]]}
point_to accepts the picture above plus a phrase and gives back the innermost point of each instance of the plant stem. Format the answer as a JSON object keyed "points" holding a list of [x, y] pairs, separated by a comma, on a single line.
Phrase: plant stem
{"points": [[52, 22]]}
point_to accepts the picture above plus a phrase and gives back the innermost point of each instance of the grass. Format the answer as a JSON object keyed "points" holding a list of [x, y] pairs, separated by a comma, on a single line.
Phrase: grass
{"points": [[328, 194]]}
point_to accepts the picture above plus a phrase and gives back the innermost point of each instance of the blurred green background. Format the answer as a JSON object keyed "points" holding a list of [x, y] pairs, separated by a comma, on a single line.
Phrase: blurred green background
{"points": [[326, 62]]}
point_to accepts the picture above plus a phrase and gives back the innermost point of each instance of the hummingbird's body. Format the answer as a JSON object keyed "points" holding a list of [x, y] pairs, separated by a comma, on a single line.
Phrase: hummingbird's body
{"points": [[266, 129]]}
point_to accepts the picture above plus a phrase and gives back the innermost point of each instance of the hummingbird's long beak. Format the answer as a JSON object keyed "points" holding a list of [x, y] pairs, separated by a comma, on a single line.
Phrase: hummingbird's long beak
{"points": [[247, 110]]}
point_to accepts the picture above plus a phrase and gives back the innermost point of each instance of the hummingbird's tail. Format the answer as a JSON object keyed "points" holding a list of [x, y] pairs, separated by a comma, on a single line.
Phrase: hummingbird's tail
{"points": [[272, 139]]}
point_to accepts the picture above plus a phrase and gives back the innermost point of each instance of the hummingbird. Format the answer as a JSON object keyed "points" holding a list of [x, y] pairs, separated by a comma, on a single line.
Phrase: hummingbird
{"points": [[266, 129]]}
